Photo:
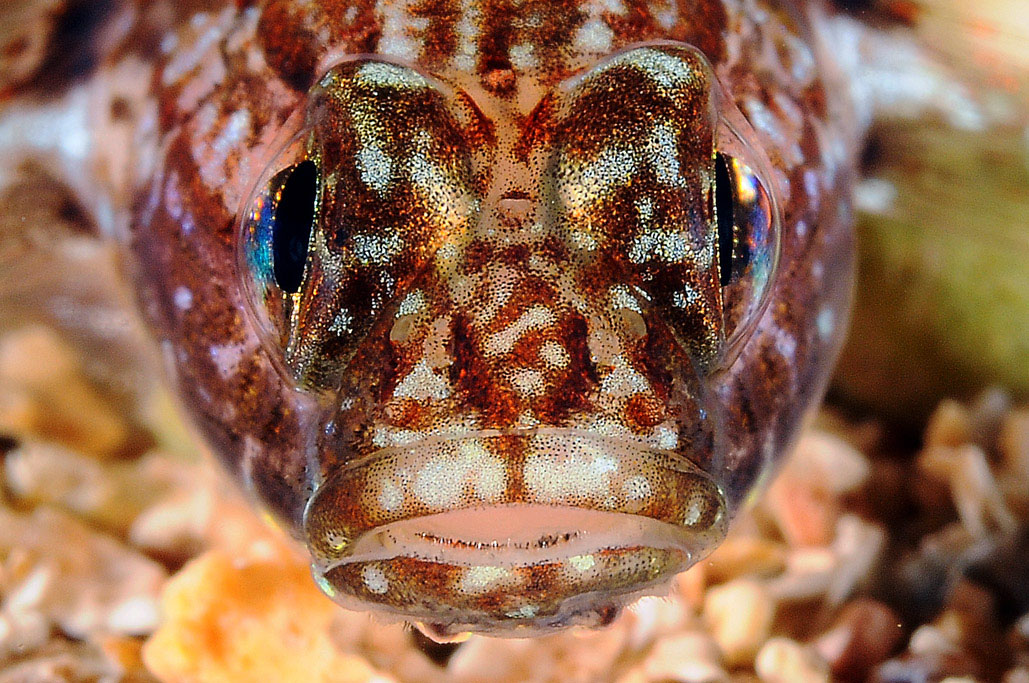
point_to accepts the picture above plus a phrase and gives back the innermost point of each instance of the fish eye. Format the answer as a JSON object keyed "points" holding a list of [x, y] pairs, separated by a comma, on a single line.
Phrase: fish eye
{"points": [[291, 227], [658, 167], [371, 177], [725, 215], [747, 243]]}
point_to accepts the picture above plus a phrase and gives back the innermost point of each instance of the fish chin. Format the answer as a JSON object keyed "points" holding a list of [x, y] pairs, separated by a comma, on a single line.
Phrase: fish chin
{"points": [[565, 534]]}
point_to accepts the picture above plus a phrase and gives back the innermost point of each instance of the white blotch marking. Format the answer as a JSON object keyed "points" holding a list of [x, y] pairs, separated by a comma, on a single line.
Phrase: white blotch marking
{"points": [[427, 175], [227, 357], [685, 297], [811, 184], [342, 323], [397, 27], [612, 166], [523, 612], [188, 57], [522, 56], [582, 563], [467, 30], [169, 42], [645, 208], [603, 463], [554, 354], [212, 158], [594, 36], [439, 484], [374, 579], [622, 297], [786, 345], [537, 317], [669, 246], [390, 76], [665, 437], [183, 298], [528, 382], [637, 488], [763, 120], [666, 70], [487, 470], [623, 380], [413, 302], [583, 240], [391, 496], [667, 17], [615, 166], [375, 167], [479, 578], [570, 470], [377, 249], [826, 323], [422, 384], [662, 150]]}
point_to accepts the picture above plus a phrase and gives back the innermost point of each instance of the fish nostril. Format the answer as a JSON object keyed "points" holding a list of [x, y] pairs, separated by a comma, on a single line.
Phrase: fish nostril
{"points": [[514, 206], [401, 329], [633, 322]]}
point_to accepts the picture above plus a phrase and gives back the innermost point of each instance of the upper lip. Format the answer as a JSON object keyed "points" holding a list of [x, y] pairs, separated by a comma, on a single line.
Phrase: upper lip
{"points": [[540, 467]]}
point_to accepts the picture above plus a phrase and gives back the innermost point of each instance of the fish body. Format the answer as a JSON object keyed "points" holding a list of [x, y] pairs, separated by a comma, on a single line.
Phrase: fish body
{"points": [[503, 309]]}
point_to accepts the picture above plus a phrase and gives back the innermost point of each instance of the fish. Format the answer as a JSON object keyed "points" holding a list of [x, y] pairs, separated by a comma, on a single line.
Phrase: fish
{"points": [[502, 309]]}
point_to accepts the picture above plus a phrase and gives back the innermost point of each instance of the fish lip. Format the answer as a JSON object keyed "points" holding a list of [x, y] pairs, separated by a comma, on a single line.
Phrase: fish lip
{"points": [[547, 466], [423, 493]]}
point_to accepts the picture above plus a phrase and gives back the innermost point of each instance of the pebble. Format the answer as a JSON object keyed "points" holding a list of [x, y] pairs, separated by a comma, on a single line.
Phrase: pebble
{"points": [[109, 494], [652, 617], [226, 617], [859, 548], [43, 395], [1017, 675], [976, 494], [950, 425], [1013, 444], [686, 658], [489, 659], [68, 662], [739, 616], [78, 579], [745, 555], [782, 660], [864, 634], [804, 500]]}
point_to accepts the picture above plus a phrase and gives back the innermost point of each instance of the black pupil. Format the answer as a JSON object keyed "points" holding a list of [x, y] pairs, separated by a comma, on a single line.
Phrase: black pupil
{"points": [[292, 229], [725, 210]]}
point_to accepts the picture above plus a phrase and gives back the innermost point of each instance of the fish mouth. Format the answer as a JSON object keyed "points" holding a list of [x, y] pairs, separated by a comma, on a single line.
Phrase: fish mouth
{"points": [[511, 534]]}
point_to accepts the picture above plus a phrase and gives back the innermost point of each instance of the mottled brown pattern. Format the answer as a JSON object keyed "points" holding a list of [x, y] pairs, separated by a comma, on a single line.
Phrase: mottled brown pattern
{"points": [[290, 33], [483, 333], [471, 376]]}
